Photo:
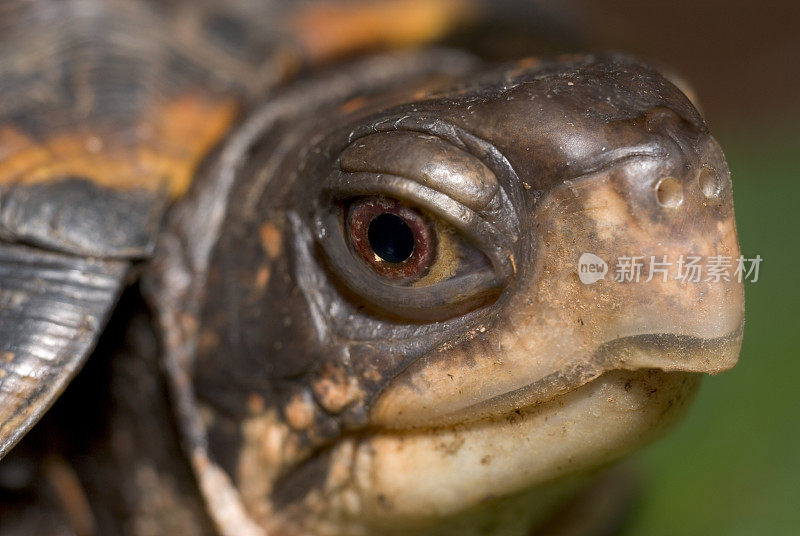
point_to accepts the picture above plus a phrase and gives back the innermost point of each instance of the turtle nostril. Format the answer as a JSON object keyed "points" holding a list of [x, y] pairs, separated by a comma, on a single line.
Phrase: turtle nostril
{"points": [[709, 182], [669, 192]]}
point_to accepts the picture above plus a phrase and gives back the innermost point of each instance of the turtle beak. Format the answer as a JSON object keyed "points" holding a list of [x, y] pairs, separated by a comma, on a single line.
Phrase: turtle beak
{"points": [[636, 266], [658, 268], [647, 252]]}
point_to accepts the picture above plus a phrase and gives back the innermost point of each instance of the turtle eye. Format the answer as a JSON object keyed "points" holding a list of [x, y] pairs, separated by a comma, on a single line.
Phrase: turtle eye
{"points": [[395, 240], [398, 258], [416, 228]]}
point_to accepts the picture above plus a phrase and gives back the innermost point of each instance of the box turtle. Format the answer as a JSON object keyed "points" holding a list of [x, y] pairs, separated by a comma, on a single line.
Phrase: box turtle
{"points": [[329, 283]]}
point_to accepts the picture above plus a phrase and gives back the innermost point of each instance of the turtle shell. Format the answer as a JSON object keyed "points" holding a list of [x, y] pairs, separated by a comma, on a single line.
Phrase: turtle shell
{"points": [[106, 111]]}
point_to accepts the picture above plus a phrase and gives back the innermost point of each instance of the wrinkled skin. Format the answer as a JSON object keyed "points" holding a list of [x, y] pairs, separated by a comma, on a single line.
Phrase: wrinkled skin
{"points": [[318, 396]]}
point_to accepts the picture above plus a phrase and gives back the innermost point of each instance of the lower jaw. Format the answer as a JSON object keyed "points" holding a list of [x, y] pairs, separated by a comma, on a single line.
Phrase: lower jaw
{"points": [[396, 482]]}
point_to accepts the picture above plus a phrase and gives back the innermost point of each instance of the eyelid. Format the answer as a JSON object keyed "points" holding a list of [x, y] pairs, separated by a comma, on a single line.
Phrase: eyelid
{"points": [[428, 160], [347, 185]]}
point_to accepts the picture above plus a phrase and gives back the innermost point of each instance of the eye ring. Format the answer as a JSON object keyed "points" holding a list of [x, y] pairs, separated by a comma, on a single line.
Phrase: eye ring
{"points": [[395, 240]]}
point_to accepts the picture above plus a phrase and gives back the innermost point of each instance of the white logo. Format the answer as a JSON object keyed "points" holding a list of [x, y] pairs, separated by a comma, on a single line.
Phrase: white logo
{"points": [[591, 268]]}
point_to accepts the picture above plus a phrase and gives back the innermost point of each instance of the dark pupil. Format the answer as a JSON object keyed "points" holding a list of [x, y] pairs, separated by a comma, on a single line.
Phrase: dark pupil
{"points": [[391, 238]]}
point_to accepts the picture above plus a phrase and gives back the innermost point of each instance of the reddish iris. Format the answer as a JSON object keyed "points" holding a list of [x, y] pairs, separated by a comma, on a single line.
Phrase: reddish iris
{"points": [[395, 240]]}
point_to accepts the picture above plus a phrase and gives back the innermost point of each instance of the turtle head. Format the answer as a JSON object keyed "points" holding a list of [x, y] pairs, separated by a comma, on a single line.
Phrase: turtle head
{"points": [[468, 299]]}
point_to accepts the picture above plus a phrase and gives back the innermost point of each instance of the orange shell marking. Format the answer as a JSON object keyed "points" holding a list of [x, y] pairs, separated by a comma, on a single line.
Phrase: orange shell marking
{"points": [[162, 151], [329, 30]]}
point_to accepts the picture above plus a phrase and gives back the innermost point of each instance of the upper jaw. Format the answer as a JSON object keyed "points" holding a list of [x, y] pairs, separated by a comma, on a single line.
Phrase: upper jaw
{"points": [[666, 352], [408, 407]]}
